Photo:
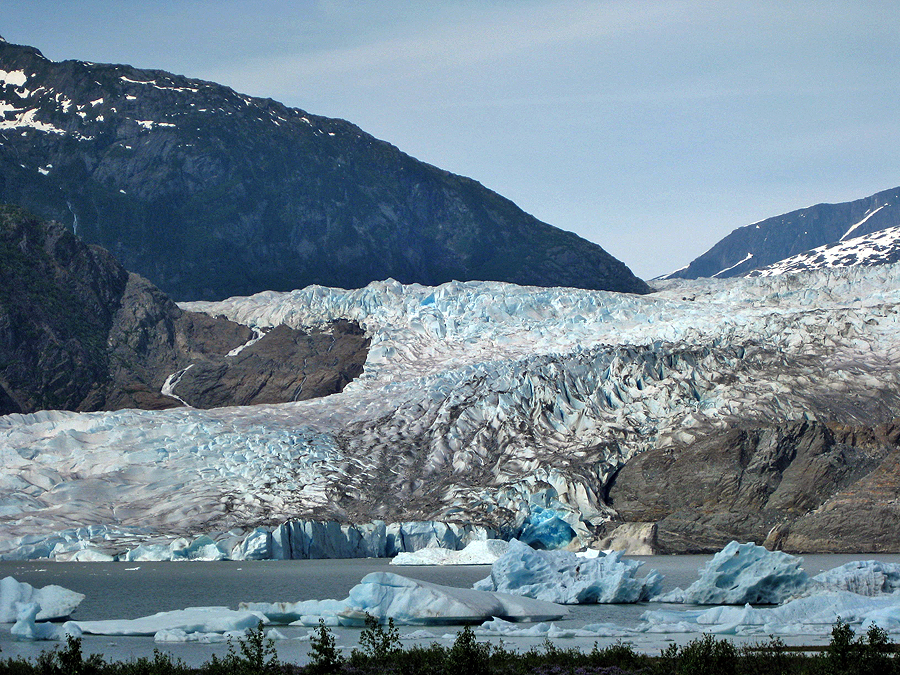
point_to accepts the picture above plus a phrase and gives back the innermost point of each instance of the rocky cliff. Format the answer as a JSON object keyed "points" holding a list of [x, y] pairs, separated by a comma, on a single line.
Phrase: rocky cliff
{"points": [[79, 332], [802, 486], [209, 193]]}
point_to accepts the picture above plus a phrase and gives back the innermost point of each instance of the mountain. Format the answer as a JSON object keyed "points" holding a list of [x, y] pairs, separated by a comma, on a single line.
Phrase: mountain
{"points": [[770, 241], [79, 332], [209, 193], [879, 248], [500, 406]]}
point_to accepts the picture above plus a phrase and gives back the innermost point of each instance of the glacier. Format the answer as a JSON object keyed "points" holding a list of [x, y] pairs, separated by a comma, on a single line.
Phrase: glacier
{"points": [[480, 402]]}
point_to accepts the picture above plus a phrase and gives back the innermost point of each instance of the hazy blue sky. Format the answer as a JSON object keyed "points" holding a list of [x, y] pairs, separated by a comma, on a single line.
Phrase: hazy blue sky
{"points": [[651, 127]]}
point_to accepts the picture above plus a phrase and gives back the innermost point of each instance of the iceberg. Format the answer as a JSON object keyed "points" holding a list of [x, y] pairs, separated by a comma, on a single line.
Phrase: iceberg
{"points": [[567, 578], [479, 552], [744, 573], [303, 613], [551, 631], [384, 596], [190, 620], [54, 602], [866, 577], [811, 615], [25, 627]]}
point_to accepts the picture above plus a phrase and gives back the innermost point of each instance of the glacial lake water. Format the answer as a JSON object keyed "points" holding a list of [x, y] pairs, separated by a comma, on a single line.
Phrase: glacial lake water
{"points": [[130, 590]]}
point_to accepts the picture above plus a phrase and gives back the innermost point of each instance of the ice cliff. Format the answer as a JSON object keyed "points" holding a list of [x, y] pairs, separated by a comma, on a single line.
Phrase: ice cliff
{"points": [[480, 402]]}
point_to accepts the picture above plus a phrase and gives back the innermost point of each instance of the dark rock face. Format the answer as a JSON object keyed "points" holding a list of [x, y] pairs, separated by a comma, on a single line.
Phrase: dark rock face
{"points": [[78, 332], [806, 487], [210, 194], [769, 241]]}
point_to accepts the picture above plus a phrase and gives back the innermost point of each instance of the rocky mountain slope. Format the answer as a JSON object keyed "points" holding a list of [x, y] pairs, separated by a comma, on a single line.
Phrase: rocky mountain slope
{"points": [[78, 332], [879, 248], [768, 242], [802, 486], [498, 405], [209, 193]]}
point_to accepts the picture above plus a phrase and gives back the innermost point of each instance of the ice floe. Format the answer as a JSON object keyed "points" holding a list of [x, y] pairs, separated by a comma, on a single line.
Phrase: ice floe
{"points": [[564, 577], [190, 620]]}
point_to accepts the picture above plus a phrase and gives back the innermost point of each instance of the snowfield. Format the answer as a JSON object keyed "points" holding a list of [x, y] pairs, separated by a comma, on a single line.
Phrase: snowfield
{"points": [[480, 402]]}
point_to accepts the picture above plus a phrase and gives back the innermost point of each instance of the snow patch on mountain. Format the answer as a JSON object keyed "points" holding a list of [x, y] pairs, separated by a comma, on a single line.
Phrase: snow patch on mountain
{"points": [[878, 248]]}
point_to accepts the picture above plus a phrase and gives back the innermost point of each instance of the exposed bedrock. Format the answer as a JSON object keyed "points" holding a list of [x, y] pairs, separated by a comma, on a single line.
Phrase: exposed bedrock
{"points": [[802, 487]]}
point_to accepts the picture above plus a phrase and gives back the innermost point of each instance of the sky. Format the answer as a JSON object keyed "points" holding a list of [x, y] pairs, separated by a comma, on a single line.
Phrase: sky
{"points": [[651, 127]]}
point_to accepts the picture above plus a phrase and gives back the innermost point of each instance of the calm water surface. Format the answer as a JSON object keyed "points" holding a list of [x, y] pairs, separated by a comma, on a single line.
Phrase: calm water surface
{"points": [[130, 590]]}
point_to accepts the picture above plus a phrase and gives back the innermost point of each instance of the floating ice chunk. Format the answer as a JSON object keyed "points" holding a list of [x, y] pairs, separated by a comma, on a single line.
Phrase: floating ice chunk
{"points": [[190, 620], [55, 602], [408, 601], [303, 613], [179, 635], [551, 630], [811, 615], [866, 577], [25, 627], [563, 577], [419, 635], [744, 573], [479, 552]]}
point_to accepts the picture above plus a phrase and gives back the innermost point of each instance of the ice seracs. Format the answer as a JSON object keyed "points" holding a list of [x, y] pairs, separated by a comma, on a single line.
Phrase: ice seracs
{"points": [[564, 577], [744, 573]]}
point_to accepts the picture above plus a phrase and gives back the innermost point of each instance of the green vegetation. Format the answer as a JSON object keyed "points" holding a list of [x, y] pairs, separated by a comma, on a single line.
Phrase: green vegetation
{"points": [[380, 652]]}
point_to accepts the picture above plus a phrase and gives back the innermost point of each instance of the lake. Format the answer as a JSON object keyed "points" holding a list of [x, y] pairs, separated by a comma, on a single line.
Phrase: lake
{"points": [[130, 590]]}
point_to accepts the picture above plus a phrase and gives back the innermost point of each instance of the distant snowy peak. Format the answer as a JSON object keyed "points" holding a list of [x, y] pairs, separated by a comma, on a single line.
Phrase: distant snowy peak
{"points": [[878, 248], [802, 232]]}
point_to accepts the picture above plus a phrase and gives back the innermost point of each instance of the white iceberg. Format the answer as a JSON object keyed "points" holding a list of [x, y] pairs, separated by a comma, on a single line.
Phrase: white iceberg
{"points": [[866, 577], [744, 573], [811, 615], [551, 630], [564, 577], [479, 552], [408, 601], [190, 620], [55, 602], [302, 613]]}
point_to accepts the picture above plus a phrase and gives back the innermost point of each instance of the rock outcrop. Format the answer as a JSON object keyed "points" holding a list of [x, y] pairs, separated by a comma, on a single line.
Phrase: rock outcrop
{"points": [[79, 332], [805, 487]]}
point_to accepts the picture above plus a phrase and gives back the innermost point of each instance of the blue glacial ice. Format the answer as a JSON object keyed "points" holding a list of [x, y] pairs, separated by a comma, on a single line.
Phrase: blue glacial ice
{"points": [[744, 573], [564, 577]]}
